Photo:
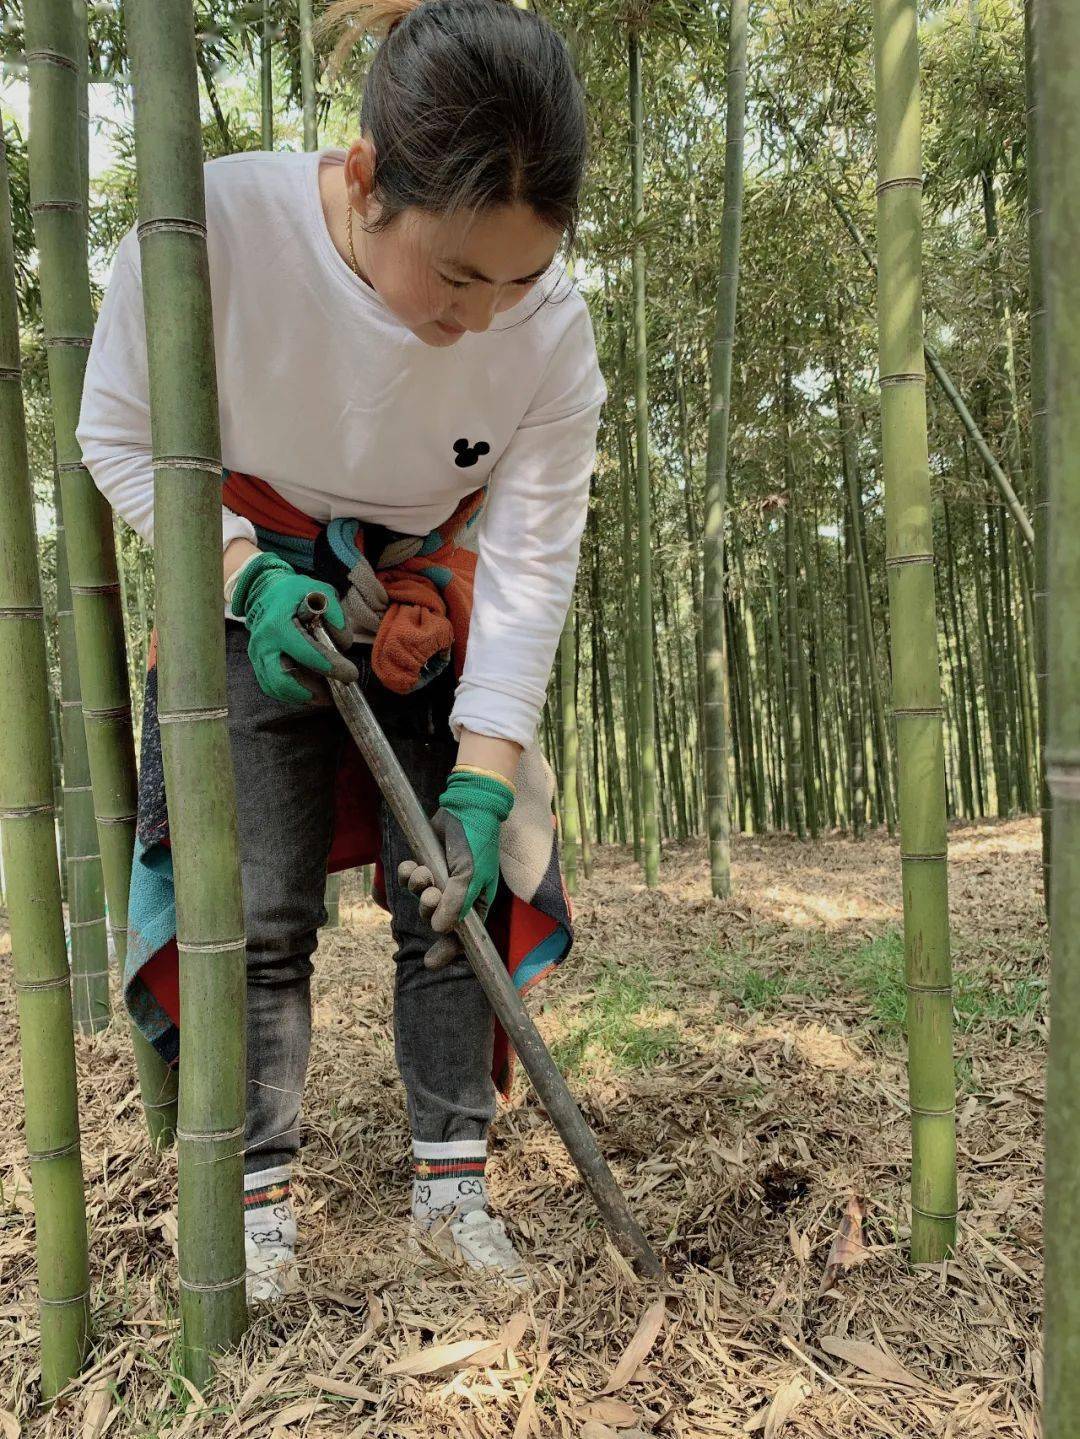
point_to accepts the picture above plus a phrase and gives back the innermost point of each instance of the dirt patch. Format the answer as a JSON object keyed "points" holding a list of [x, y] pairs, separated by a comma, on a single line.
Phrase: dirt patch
{"points": [[743, 1070]]}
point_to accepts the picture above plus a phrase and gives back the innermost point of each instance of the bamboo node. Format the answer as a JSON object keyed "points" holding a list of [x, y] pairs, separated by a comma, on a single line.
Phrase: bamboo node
{"points": [[929, 989], [1063, 781], [64, 1303], [895, 561], [60, 1153], [172, 225], [10, 374], [910, 377], [33, 986], [90, 974], [61, 207], [115, 818], [72, 467], [78, 788], [900, 182], [932, 1214], [933, 1113], [71, 342], [914, 712], [923, 858], [51, 57], [71, 704], [117, 712], [27, 811], [215, 947], [209, 1135], [225, 1284], [199, 464], [85, 924], [21, 612], [111, 588], [192, 716]]}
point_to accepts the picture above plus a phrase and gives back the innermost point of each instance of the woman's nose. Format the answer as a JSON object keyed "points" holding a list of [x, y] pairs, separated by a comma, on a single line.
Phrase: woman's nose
{"points": [[478, 310]]}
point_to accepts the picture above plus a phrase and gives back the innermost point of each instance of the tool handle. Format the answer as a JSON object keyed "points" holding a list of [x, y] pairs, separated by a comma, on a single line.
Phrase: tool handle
{"points": [[489, 968]]}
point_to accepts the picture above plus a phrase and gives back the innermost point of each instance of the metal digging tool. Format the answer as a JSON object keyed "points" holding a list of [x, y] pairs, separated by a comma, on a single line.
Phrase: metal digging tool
{"points": [[488, 966]]}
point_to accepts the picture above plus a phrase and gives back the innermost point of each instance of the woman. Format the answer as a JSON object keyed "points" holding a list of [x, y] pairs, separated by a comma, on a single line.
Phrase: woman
{"points": [[394, 334]]}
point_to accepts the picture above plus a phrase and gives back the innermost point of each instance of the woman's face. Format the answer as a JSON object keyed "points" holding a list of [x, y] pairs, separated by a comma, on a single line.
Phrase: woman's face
{"points": [[443, 277]]}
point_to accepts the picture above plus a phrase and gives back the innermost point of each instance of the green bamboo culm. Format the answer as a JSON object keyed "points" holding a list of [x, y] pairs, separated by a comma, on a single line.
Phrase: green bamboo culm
{"points": [[646, 658], [715, 659], [916, 683], [1057, 33], [85, 885], [571, 817], [56, 199], [28, 835], [307, 77], [266, 76], [191, 676], [1037, 309]]}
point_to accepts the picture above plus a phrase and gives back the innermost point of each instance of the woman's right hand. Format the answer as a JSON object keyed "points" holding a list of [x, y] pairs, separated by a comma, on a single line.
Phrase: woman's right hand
{"points": [[268, 597]]}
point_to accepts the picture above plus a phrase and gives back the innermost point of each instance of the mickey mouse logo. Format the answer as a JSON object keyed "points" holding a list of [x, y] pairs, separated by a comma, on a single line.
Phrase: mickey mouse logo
{"points": [[467, 455]]}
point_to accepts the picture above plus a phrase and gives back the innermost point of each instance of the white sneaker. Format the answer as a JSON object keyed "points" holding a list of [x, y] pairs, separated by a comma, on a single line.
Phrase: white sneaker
{"points": [[271, 1271], [479, 1240]]}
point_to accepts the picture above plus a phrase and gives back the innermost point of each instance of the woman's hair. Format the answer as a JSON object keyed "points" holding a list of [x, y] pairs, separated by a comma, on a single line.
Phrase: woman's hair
{"points": [[469, 104]]}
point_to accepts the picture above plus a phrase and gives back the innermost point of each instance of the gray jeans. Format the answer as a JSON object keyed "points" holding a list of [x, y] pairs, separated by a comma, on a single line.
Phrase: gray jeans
{"points": [[285, 759]]}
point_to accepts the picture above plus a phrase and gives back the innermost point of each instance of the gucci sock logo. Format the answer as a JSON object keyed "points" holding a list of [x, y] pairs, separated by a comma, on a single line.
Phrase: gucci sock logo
{"points": [[467, 454]]}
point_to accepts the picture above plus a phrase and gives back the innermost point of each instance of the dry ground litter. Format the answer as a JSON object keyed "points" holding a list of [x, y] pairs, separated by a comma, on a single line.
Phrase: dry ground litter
{"points": [[742, 1064]]}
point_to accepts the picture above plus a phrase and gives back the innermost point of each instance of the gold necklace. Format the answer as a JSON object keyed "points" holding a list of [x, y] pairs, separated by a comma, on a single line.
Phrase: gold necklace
{"points": [[352, 252]]}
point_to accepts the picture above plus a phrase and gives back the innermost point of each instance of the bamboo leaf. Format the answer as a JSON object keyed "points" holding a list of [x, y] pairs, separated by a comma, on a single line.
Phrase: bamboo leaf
{"points": [[634, 1354]]}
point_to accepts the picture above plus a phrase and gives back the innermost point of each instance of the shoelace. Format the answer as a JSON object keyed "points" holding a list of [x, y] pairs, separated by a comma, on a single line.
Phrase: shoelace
{"points": [[486, 1236]]}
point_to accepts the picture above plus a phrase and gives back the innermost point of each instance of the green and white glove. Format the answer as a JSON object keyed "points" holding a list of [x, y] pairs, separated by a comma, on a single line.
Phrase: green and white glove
{"points": [[267, 597], [471, 813]]}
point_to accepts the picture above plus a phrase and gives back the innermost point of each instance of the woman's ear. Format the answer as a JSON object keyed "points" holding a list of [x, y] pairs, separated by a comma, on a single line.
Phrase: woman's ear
{"points": [[360, 176]]}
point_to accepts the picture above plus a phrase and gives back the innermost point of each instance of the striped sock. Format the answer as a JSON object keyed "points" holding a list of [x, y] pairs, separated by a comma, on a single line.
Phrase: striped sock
{"points": [[448, 1179], [269, 1223]]}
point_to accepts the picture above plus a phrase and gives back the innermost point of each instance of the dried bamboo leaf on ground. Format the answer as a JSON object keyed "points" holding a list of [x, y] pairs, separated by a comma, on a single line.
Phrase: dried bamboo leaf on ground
{"points": [[652, 1321], [869, 1358]]}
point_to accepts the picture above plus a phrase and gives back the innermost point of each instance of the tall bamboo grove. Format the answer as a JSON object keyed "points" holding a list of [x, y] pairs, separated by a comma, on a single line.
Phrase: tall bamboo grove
{"points": [[56, 199], [191, 668], [916, 683], [715, 658], [33, 881], [1058, 43]]}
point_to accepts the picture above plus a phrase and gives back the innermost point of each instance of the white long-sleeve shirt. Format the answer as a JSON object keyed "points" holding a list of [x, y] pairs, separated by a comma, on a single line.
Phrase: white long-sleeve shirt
{"points": [[328, 397]]}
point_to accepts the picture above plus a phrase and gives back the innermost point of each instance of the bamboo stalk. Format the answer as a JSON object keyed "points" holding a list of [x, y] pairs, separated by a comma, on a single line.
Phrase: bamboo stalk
{"points": [[716, 741], [266, 77], [307, 77], [1057, 26], [1037, 312], [56, 193], [86, 889], [191, 670], [571, 828], [916, 685], [646, 718], [39, 958]]}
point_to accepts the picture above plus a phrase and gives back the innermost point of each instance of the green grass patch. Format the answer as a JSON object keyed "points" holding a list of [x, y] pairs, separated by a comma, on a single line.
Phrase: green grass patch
{"points": [[753, 986], [613, 1025], [877, 969]]}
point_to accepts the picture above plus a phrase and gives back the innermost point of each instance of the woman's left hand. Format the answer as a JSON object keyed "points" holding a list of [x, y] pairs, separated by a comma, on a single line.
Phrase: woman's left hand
{"points": [[471, 813]]}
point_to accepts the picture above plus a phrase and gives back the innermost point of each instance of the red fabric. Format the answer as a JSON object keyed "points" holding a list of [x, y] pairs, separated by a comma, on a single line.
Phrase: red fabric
{"points": [[424, 618]]}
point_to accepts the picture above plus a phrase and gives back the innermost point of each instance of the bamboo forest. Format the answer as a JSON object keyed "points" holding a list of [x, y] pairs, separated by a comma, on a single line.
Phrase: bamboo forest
{"points": [[781, 1141]]}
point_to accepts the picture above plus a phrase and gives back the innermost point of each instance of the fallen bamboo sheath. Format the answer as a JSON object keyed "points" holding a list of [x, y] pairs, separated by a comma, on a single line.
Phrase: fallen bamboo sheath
{"points": [[489, 968]]}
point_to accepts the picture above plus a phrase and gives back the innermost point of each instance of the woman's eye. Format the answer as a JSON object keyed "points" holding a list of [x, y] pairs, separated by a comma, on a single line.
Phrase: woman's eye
{"points": [[454, 284]]}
